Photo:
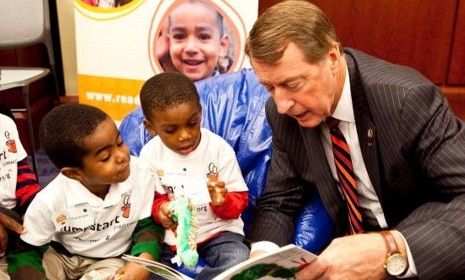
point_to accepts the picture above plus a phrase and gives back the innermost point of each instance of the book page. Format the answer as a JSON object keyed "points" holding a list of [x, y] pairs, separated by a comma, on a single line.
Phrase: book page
{"points": [[281, 264], [157, 268]]}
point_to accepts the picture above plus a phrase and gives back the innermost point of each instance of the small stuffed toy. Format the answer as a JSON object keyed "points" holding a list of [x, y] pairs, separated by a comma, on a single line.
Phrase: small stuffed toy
{"points": [[186, 231]]}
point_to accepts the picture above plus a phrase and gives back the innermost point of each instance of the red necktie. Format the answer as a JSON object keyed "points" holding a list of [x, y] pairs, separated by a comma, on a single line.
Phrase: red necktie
{"points": [[346, 175]]}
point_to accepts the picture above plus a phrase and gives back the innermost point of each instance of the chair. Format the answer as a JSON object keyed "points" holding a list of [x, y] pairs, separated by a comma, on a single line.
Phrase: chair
{"points": [[25, 23], [233, 106]]}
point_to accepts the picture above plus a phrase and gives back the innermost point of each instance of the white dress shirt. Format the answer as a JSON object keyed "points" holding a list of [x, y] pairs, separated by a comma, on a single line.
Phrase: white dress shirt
{"points": [[368, 199]]}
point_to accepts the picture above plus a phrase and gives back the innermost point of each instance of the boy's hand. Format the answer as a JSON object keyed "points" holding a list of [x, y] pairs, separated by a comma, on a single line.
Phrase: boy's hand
{"points": [[132, 271], [165, 216], [217, 192]]}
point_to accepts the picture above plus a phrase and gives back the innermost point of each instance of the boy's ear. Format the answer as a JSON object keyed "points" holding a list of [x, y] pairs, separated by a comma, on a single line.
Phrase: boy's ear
{"points": [[224, 45], [73, 173], [150, 127]]}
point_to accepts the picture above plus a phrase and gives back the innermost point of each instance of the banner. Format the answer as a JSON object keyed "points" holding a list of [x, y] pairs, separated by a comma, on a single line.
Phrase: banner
{"points": [[120, 44]]}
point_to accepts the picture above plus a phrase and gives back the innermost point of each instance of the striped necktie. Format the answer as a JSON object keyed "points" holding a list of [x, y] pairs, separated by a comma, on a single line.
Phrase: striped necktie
{"points": [[346, 175]]}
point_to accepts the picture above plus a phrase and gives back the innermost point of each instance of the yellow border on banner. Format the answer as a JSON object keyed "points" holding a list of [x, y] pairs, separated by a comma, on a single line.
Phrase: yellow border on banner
{"points": [[106, 13]]}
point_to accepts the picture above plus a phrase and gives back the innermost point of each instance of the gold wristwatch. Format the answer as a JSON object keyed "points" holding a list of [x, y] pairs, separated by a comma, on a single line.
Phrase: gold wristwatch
{"points": [[396, 263]]}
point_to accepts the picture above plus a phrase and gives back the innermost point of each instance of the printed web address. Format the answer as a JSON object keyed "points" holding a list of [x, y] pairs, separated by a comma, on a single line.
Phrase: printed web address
{"points": [[113, 98]]}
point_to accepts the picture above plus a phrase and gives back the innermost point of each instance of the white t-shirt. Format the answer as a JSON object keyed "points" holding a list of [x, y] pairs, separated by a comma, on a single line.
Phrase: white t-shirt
{"points": [[67, 212], [186, 175], [11, 151]]}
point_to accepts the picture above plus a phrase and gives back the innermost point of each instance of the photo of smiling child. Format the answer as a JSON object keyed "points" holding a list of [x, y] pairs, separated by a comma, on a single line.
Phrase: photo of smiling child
{"points": [[194, 39]]}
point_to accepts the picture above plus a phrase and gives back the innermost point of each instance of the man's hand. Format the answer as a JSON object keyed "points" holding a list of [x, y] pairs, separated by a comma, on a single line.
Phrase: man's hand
{"points": [[359, 256], [165, 216], [217, 192]]}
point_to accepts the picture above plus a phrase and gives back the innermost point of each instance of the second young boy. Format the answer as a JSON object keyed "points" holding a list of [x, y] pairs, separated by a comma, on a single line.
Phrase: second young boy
{"points": [[186, 158]]}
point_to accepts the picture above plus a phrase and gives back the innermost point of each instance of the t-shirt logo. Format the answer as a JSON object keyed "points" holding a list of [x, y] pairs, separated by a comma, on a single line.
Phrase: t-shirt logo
{"points": [[126, 206], [61, 219], [10, 143]]}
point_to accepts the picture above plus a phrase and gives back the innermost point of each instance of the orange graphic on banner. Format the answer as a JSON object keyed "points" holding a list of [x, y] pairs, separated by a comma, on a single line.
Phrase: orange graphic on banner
{"points": [[117, 97]]}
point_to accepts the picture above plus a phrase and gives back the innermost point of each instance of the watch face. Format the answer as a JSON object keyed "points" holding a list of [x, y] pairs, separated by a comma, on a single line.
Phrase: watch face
{"points": [[396, 264]]}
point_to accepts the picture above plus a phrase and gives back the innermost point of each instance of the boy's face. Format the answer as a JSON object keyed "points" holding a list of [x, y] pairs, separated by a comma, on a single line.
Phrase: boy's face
{"points": [[107, 160], [178, 126], [195, 40]]}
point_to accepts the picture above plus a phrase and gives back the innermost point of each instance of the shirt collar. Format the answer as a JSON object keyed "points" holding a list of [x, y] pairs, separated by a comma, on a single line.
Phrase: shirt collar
{"points": [[78, 194], [344, 110]]}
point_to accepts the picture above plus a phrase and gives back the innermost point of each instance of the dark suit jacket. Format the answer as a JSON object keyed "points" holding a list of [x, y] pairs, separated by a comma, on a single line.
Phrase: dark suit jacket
{"points": [[414, 151]]}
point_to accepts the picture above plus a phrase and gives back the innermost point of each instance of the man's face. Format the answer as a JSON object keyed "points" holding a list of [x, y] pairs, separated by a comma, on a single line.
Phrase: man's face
{"points": [[195, 40], [107, 161], [306, 92], [178, 126]]}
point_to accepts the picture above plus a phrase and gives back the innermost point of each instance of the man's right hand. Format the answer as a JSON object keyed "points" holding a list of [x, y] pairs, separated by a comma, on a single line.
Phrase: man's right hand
{"points": [[256, 253]]}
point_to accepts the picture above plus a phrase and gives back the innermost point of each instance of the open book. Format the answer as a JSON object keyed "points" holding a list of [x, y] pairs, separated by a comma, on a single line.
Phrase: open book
{"points": [[162, 270], [283, 263]]}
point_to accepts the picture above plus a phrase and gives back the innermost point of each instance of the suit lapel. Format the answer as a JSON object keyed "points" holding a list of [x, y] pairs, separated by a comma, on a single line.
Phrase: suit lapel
{"points": [[320, 174], [366, 129]]}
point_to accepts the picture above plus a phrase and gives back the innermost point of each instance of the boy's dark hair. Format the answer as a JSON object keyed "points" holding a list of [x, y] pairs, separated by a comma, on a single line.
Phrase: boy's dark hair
{"points": [[63, 129], [166, 90]]}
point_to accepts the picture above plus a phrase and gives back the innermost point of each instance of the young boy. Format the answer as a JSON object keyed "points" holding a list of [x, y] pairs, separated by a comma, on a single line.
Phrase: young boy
{"points": [[18, 185], [95, 210], [186, 157], [198, 45]]}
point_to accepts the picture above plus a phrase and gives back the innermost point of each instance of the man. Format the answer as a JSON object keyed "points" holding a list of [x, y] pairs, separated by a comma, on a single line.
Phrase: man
{"points": [[390, 171]]}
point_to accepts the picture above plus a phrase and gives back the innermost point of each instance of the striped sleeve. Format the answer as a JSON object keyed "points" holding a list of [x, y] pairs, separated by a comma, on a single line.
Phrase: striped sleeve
{"points": [[27, 186]]}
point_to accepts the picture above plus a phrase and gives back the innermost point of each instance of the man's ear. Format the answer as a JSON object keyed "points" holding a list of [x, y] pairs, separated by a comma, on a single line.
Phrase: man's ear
{"points": [[150, 127], [334, 57], [72, 173]]}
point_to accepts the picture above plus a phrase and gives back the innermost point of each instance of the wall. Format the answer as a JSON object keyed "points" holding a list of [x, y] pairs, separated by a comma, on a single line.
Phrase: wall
{"points": [[423, 35], [65, 10], [426, 35]]}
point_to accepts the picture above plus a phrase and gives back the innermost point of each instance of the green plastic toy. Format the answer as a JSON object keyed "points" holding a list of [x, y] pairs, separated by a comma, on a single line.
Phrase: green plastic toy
{"points": [[186, 231]]}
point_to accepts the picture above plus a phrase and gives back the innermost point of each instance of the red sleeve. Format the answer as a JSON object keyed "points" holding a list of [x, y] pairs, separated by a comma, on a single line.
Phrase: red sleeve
{"points": [[26, 186], [233, 206], [159, 199]]}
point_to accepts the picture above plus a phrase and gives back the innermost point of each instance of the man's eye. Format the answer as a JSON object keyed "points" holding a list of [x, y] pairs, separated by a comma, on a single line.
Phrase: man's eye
{"points": [[293, 85], [270, 89]]}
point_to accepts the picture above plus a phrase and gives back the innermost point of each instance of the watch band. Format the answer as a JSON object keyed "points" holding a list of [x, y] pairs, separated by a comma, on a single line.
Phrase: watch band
{"points": [[390, 242], [396, 263]]}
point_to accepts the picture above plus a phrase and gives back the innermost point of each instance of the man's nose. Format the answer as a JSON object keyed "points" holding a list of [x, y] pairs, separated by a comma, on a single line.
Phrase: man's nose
{"points": [[283, 102]]}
